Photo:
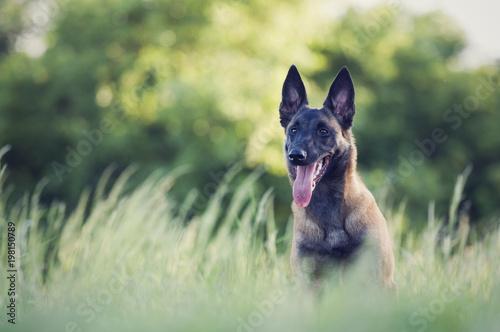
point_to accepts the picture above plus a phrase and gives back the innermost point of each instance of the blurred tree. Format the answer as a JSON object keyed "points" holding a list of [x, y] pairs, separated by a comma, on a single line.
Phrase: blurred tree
{"points": [[419, 117], [168, 83]]}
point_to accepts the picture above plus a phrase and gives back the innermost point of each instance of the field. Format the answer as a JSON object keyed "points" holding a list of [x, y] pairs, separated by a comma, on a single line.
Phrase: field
{"points": [[128, 261]]}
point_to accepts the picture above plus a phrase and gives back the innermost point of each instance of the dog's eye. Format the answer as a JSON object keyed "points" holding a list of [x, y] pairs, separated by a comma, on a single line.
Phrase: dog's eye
{"points": [[293, 130], [323, 131]]}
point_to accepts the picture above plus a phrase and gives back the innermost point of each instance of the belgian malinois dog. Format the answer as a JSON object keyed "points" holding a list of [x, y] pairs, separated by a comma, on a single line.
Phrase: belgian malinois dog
{"points": [[335, 215]]}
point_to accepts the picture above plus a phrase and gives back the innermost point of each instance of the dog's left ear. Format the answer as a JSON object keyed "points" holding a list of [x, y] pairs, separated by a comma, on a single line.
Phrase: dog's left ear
{"points": [[340, 99], [293, 96]]}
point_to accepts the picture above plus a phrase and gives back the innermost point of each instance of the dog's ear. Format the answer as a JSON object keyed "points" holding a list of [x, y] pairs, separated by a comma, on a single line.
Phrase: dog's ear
{"points": [[340, 99], [293, 96]]}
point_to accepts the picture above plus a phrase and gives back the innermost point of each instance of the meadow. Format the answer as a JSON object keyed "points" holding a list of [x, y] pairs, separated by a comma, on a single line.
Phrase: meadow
{"points": [[137, 260], [167, 83]]}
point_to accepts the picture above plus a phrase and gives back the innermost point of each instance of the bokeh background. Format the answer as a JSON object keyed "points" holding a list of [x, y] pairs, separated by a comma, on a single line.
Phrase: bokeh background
{"points": [[167, 84]]}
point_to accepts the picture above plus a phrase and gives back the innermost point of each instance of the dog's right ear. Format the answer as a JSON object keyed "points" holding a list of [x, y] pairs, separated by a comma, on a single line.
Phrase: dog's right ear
{"points": [[293, 96]]}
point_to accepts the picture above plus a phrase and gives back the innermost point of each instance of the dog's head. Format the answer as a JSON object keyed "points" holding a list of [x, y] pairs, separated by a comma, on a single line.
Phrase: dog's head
{"points": [[314, 136]]}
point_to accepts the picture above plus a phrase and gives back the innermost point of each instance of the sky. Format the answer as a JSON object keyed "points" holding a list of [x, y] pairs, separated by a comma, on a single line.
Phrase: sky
{"points": [[480, 19]]}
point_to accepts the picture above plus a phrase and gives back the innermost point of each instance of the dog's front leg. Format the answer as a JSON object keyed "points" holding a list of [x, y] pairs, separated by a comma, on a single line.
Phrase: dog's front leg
{"points": [[307, 272]]}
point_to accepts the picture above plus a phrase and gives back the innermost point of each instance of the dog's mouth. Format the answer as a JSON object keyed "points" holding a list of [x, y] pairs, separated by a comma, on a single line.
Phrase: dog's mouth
{"points": [[305, 179]]}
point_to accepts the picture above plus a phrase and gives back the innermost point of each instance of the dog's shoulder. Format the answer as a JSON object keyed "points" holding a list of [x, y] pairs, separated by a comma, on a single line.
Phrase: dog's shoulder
{"points": [[360, 209]]}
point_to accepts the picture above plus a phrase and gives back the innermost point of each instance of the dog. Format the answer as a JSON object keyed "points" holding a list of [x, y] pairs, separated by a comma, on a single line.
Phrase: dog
{"points": [[335, 215]]}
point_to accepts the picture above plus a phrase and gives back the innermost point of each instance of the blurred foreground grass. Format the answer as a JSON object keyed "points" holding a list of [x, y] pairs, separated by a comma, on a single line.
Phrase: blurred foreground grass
{"points": [[133, 262]]}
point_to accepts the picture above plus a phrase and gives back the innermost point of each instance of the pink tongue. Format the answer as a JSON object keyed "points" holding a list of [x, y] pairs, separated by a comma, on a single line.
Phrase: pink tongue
{"points": [[302, 187]]}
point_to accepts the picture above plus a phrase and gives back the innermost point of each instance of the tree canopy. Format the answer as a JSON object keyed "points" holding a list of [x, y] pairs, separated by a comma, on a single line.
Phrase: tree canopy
{"points": [[162, 84]]}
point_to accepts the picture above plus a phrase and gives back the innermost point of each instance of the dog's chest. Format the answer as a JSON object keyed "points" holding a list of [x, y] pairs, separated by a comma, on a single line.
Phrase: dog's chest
{"points": [[328, 240]]}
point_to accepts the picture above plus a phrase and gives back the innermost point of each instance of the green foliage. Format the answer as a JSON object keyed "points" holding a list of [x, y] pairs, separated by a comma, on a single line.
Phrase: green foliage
{"points": [[165, 83], [130, 261], [407, 89]]}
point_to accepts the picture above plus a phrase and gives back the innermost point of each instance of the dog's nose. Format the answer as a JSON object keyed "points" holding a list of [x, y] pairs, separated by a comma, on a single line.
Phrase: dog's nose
{"points": [[297, 155]]}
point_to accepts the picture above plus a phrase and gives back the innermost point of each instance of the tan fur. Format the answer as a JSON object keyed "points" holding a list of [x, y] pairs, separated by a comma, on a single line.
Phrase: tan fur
{"points": [[342, 223], [359, 212]]}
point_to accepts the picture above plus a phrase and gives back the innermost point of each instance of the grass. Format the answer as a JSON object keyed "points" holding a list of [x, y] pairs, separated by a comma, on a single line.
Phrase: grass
{"points": [[128, 262]]}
